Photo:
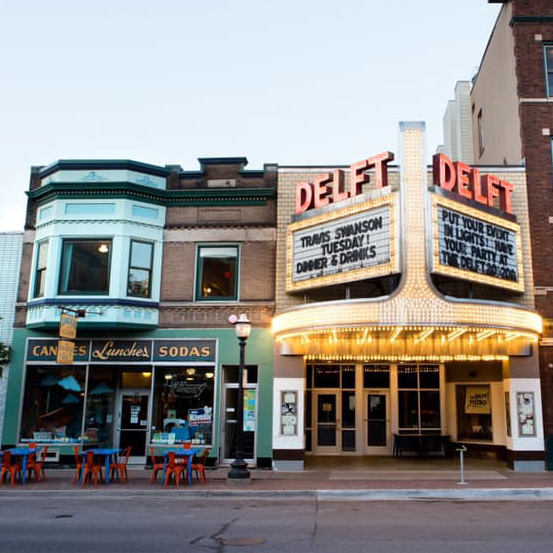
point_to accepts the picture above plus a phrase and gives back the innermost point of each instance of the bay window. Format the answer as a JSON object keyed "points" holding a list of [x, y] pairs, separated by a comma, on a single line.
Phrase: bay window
{"points": [[40, 274], [140, 269], [85, 265]]}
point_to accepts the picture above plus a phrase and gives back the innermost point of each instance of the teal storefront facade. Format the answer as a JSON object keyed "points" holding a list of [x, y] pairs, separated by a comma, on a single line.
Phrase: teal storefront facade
{"points": [[150, 390]]}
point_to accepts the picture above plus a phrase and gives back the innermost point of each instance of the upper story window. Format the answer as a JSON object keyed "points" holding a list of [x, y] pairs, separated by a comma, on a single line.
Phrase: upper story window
{"points": [[85, 266], [140, 269], [549, 69], [217, 273], [480, 132], [41, 261]]}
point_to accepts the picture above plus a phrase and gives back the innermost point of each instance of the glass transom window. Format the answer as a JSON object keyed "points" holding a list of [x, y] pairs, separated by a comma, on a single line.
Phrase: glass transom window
{"points": [[85, 267], [217, 273]]}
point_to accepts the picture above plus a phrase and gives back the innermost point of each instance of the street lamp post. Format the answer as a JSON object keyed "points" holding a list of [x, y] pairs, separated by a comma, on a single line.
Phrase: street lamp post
{"points": [[239, 467]]}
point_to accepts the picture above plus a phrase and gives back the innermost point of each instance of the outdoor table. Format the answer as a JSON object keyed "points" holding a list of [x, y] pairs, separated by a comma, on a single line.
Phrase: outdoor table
{"points": [[181, 452], [23, 452], [106, 452]]}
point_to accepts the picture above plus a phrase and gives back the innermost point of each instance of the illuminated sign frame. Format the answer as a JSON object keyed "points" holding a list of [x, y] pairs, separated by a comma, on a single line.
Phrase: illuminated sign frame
{"points": [[465, 274], [384, 269]]}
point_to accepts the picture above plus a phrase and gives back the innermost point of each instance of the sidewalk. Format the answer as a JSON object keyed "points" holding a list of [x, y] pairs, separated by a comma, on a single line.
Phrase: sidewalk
{"points": [[328, 479]]}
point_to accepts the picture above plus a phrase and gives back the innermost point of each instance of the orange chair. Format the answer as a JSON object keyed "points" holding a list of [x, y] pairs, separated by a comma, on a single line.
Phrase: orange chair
{"points": [[91, 470], [157, 464], [198, 465], [37, 464], [120, 465], [174, 468], [9, 469], [78, 464]]}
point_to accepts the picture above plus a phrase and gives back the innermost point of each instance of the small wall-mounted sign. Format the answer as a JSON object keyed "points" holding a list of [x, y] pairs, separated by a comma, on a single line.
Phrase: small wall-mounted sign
{"points": [[289, 413]]}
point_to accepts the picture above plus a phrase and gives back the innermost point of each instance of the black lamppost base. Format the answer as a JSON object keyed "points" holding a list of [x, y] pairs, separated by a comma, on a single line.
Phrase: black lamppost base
{"points": [[239, 470]]}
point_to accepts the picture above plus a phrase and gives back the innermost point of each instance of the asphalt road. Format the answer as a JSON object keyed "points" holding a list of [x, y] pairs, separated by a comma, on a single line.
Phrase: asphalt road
{"points": [[138, 524]]}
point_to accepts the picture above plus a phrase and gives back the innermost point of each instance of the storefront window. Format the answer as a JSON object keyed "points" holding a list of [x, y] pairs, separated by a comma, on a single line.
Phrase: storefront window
{"points": [[419, 397], [53, 404], [183, 405], [474, 413], [100, 405], [85, 267], [217, 271]]}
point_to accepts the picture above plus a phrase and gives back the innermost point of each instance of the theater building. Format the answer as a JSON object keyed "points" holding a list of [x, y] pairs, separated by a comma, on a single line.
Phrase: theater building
{"points": [[405, 319], [153, 260]]}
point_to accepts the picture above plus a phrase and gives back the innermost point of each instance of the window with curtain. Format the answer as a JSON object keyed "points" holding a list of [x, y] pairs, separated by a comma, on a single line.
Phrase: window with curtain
{"points": [[40, 276], [85, 266], [217, 273], [140, 269]]}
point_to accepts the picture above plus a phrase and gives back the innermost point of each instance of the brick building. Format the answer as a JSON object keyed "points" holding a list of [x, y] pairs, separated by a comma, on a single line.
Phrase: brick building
{"points": [[155, 259], [512, 113]]}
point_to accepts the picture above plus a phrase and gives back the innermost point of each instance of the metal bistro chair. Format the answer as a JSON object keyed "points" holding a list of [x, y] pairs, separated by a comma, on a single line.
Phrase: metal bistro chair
{"points": [[198, 465], [36, 464], [120, 465], [157, 464], [9, 469], [174, 468], [78, 464], [91, 470]]}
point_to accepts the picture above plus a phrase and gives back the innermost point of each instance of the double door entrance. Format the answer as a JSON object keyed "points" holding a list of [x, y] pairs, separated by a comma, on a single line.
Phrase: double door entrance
{"points": [[349, 421]]}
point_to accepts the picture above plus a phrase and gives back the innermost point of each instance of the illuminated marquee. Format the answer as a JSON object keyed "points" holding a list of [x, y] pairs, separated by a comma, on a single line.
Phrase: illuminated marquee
{"points": [[465, 181], [353, 243], [473, 245]]}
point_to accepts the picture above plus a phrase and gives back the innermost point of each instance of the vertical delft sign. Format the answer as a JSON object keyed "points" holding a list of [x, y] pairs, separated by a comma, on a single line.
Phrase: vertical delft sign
{"points": [[470, 243]]}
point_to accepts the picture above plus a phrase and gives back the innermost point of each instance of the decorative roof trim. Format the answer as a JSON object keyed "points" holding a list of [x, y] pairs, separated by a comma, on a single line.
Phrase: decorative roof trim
{"points": [[197, 197], [83, 164]]}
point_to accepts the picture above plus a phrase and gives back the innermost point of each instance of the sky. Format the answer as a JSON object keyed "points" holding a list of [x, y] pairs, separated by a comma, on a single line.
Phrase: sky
{"points": [[293, 82]]}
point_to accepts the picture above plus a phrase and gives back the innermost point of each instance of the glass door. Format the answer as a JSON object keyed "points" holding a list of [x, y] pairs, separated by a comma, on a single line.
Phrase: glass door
{"points": [[133, 422], [231, 418], [327, 436], [377, 423]]}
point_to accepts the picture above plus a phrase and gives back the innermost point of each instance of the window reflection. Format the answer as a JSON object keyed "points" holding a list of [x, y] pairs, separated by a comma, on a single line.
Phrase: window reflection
{"points": [[53, 404], [100, 405], [183, 405], [85, 267], [217, 273]]}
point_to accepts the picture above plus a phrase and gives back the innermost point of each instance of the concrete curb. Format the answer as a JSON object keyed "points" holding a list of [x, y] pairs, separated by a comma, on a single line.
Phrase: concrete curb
{"points": [[482, 494]]}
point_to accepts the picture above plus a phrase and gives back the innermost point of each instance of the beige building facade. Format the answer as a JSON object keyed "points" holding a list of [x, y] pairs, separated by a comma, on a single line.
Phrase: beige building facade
{"points": [[400, 327]]}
